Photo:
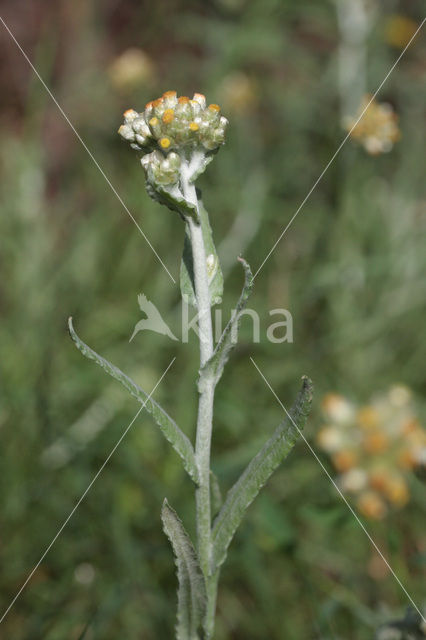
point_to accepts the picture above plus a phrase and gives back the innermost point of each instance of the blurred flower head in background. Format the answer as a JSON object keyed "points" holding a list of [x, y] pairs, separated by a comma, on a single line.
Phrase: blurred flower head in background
{"points": [[377, 130], [374, 447], [130, 70], [239, 92], [399, 30]]}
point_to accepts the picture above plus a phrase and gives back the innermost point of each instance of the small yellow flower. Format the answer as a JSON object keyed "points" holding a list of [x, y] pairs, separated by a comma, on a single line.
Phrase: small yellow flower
{"points": [[345, 460], [169, 94], [131, 69], [165, 143], [396, 491], [406, 459], [168, 116], [372, 505], [375, 442], [410, 426], [375, 126], [239, 92], [399, 30], [368, 418]]}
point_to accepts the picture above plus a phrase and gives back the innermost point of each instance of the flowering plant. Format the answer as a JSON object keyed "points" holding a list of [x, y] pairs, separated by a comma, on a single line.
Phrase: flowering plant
{"points": [[177, 138], [375, 126]]}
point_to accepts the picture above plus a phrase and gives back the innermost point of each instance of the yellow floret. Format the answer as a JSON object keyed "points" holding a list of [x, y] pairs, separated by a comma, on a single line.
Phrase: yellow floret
{"points": [[376, 442], [368, 418], [168, 116], [153, 122], [371, 505], [397, 491], [165, 143], [194, 126], [344, 460]]}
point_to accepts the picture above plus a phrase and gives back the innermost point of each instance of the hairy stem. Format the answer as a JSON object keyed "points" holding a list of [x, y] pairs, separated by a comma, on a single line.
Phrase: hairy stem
{"points": [[354, 22], [211, 602], [205, 406]]}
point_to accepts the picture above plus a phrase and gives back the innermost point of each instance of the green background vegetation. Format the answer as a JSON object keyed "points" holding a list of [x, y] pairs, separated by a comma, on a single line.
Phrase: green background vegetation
{"points": [[350, 270]]}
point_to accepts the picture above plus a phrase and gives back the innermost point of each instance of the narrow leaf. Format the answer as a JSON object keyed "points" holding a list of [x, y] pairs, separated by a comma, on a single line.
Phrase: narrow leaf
{"points": [[172, 197], [214, 367], [214, 271], [168, 426], [216, 494], [257, 472], [192, 597]]}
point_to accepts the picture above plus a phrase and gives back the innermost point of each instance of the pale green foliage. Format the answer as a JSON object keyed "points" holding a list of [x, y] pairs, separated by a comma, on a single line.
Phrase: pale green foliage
{"points": [[213, 268], [170, 429], [192, 597], [214, 367], [216, 494], [257, 473], [172, 198]]}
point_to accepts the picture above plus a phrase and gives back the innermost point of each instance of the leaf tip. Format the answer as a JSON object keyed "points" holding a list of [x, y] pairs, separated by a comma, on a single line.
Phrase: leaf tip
{"points": [[245, 265], [307, 386], [71, 330]]}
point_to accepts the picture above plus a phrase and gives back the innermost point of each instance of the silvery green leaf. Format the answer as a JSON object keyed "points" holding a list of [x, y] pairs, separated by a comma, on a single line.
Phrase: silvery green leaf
{"points": [[202, 160], [214, 271], [216, 494], [215, 365], [170, 429], [192, 597], [171, 196], [257, 472], [187, 285]]}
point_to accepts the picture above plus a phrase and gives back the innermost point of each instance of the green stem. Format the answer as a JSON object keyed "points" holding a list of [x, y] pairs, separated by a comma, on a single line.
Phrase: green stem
{"points": [[205, 405], [211, 603]]}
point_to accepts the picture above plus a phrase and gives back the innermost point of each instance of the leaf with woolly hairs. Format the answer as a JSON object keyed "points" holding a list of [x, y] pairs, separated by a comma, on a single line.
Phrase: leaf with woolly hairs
{"points": [[257, 472], [215, 365], [192, 596], [168, 426]]}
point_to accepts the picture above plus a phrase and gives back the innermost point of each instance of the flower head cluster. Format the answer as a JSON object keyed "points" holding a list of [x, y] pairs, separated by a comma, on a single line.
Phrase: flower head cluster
{"points": [[175, 124], [374, 447], [173, 130], [377, 130]]}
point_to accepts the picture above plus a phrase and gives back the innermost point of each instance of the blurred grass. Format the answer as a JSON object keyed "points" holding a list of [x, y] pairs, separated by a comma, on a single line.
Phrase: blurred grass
{"points": [[350, 270]]}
